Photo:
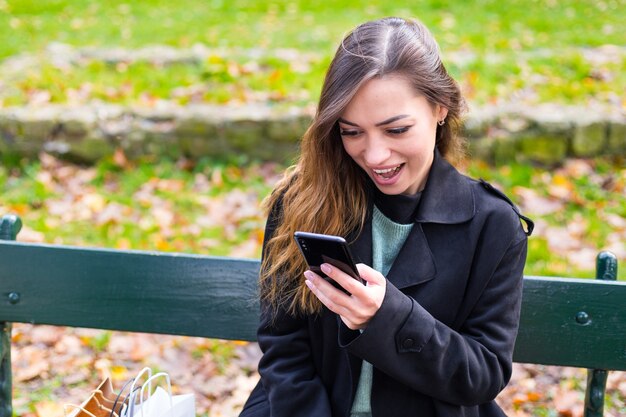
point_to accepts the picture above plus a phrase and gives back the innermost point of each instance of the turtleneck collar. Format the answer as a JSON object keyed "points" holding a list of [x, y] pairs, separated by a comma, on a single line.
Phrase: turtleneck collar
{"points": [[398, 208]]}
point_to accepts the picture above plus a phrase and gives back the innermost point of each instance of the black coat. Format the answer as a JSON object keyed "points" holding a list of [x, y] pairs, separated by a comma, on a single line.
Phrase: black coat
{"points": [[441, 343]]}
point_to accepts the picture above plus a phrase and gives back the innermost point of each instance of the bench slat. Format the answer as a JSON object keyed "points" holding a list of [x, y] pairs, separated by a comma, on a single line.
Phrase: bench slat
{"points": [[550, 333], [136, 291]]}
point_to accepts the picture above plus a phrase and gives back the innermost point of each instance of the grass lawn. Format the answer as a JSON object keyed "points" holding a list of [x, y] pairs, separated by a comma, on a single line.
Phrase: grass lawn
{"points": [[482, 26], [528, 50]]}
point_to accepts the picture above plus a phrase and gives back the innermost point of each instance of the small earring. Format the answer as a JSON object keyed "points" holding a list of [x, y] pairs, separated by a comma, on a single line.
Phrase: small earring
{"points": [[441, 122]]}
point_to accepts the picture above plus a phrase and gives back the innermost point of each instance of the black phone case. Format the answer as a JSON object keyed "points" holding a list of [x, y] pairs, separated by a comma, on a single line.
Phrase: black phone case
{"points": [[318, 249]]}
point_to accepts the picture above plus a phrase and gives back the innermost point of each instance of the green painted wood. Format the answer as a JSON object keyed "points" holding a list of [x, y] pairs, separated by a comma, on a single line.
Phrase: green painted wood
{"points": [[9, 227], [594, 393], [573, 322], [137, 291], [606, 266], [606, 270]]}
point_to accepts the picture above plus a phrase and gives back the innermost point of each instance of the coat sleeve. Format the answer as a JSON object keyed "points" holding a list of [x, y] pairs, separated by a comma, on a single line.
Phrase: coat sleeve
{"points": [[465, 367], [287, 370]]}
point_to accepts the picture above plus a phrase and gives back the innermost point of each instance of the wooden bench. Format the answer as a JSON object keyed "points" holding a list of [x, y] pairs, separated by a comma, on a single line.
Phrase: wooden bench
{"points": [[565, 321]]}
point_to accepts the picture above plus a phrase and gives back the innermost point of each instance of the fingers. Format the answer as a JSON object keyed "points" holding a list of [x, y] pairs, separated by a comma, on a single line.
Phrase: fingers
{"points": [[346, 281], [370, 277], [330, 296], [357, 309]]}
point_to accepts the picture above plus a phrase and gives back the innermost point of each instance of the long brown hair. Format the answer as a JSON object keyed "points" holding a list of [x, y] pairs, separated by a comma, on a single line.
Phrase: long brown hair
{"points": [[325, 191]]}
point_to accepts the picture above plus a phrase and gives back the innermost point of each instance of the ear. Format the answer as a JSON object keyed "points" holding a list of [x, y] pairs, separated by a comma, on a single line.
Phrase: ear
{"points": [[441, 112]]}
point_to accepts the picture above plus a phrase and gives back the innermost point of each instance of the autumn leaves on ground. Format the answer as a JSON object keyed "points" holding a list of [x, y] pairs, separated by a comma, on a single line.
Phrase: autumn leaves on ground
{"points": [[211, 207]]}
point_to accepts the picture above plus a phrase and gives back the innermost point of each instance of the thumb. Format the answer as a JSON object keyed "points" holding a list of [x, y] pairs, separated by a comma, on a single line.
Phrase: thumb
{"points": [[370, 275]]}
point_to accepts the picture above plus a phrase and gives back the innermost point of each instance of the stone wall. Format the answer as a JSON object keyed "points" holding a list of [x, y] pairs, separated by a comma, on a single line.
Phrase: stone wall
{"points": [[545, 134]]}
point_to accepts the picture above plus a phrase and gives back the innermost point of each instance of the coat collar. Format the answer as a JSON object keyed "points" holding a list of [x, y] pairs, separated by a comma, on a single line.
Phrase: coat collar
{"points": [[448, 197]]}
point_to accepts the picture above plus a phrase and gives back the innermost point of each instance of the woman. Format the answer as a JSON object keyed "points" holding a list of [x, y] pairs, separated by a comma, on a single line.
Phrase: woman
{"points": [[432, 331]]}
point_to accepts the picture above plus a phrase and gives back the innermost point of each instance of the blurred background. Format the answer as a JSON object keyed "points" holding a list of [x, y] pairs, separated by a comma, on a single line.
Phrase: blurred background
{"points": [[162, 125]]}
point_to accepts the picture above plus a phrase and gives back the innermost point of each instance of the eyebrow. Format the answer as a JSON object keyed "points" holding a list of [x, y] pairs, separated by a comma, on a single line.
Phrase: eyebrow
{"points": [[383, 123]]}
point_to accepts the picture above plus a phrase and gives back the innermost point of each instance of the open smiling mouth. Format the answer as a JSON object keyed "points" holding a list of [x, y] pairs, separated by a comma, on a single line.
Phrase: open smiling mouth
{"points": [[389, 172]]}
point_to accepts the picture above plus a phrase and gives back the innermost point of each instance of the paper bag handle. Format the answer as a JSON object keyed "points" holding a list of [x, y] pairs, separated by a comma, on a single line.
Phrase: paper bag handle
{"points": [[77, 407]]}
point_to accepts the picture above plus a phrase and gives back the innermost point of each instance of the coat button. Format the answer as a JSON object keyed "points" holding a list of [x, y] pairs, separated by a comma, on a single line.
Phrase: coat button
{"points": [[408, 343]]}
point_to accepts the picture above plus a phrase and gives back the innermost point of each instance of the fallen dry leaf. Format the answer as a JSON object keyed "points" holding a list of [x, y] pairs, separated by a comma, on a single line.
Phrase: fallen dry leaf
{"points": [[568, 404], [530, 201], [50, 408]]}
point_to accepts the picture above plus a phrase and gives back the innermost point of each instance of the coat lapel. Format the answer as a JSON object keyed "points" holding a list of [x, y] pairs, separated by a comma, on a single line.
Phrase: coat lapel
{"points": [[414, 263]]}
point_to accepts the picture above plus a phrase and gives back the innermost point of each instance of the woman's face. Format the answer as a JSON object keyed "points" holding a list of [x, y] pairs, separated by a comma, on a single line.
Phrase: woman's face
{"points": [[389, 131]]}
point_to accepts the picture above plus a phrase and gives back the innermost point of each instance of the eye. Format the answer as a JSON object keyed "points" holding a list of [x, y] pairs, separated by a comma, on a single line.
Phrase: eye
{"points": [[398, 130], [348, 132]]}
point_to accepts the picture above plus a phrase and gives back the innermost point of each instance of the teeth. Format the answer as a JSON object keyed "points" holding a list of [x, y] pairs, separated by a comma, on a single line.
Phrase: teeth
{"points": [[386, 171]]}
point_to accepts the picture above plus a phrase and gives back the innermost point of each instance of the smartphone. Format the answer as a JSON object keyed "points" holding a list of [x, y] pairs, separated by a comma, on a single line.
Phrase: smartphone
{"points": [[318, 249]]}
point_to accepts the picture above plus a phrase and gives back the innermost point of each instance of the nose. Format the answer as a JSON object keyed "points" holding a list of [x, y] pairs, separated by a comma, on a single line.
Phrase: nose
{"points": [[376, 151]]}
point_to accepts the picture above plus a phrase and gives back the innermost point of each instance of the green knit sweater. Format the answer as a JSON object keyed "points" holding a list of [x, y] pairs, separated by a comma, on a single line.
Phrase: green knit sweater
{"points": [[387, 240]]}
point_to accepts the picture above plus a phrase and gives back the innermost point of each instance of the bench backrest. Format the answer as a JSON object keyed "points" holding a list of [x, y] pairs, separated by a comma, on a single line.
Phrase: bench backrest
{"points": [[216, 297], [565, 321]]}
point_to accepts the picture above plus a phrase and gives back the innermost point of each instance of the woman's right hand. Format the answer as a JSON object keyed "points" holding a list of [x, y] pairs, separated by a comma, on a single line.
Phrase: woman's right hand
{"points": [[357, 309]]}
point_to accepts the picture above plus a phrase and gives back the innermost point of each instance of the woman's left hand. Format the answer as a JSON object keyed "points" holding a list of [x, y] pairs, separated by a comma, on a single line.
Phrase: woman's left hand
{"points": [[357, 309]]}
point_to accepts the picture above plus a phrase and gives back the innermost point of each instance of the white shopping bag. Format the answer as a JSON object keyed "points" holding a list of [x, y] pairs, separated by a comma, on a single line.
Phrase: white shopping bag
{"points": [[160, 403]]}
